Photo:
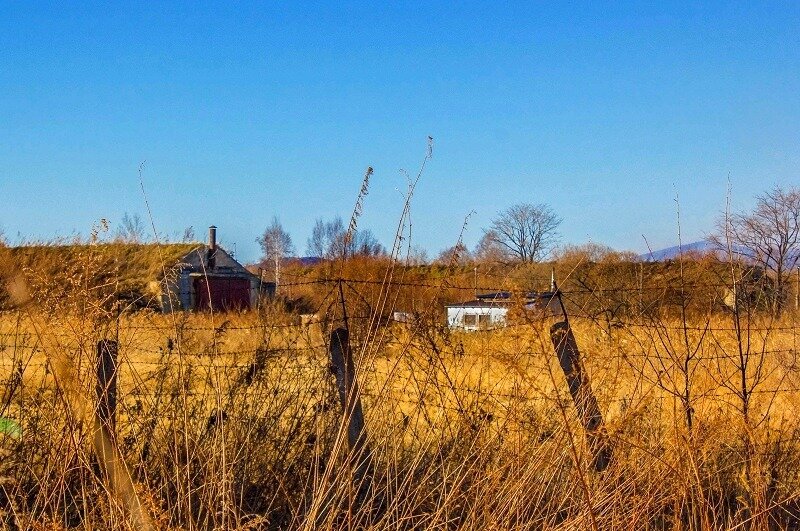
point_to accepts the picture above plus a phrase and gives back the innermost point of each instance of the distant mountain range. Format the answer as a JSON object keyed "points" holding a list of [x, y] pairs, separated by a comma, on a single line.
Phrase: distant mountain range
{"points": [[307, 260], [671, 253], [704, 247]]}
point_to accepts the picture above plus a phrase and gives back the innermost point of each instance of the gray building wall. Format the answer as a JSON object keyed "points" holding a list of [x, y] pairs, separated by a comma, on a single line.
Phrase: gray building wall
{"points": [[496, 317], [178, 293]]}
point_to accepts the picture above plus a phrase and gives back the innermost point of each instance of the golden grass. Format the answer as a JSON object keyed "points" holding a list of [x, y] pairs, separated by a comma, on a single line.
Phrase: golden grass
{"points": [[231, 421]]}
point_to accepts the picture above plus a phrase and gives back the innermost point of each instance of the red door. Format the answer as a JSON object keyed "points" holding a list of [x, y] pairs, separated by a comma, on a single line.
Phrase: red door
{"points": [[221, 293]]}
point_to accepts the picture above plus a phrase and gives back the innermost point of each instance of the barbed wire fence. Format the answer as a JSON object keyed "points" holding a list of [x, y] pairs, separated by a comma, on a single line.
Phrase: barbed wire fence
{"points": [[396, 379], [182, 387]]}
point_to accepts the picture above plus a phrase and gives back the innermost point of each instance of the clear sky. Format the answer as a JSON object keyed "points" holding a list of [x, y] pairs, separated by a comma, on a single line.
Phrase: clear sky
{"points": [[244, 111]]}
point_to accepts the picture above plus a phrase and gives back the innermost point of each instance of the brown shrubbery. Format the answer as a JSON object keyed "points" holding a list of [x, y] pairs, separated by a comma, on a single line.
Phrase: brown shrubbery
{"points": [[232, 421]]}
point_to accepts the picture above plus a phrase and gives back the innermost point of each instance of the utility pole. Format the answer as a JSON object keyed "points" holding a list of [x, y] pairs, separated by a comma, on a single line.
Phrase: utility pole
{"points": [[277, 268], [641, 284]]}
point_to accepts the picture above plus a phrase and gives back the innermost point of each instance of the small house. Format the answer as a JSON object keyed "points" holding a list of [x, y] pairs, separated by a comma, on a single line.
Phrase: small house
{"points": [[209, 278], [167, 277], [490, 310]]}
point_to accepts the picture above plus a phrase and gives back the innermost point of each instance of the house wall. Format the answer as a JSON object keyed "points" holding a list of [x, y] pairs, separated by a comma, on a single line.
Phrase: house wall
{"points": [[168, 292], [178, 291], [222, 292], [455, 317]]}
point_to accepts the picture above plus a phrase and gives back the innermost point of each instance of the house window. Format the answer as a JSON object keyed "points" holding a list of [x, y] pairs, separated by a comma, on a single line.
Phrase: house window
{"points": [[470, 319], [484, 320]]}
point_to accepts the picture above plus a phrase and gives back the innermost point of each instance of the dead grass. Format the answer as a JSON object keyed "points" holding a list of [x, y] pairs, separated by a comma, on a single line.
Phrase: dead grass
{"points": [[232, 422]]}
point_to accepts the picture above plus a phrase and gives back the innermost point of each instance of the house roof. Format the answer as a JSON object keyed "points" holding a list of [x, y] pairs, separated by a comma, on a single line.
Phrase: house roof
{"points": [[129, 267], [127, 258], [481, 304], [501, 295], [502, 299]]}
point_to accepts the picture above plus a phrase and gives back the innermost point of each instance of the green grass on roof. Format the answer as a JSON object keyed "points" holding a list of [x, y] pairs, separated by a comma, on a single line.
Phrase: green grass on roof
{"points": [[127, 267]]}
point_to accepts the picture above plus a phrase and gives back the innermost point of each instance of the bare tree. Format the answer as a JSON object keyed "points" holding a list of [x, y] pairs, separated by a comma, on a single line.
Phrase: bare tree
{"points": [[335, 236], [769, 236], [329, 239], [525, 231], [365, 243], [417, 256], [276, 245], [489, 250], [458, 254], [317, 244], [188, 234], [131, 229]]}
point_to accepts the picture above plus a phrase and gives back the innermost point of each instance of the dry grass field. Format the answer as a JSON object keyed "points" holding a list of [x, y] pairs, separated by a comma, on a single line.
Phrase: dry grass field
{"points": [[232, 421], [241, 420]]}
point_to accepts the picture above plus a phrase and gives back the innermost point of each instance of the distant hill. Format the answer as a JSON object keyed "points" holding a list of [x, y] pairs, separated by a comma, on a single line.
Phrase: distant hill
{"points": [[671, 253], [704, 247], [309, 260]]}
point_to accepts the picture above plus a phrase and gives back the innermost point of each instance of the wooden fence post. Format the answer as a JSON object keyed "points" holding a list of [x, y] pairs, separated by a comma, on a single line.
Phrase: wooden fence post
{"points": [[344, 370], [581, 390], [107, 383]]}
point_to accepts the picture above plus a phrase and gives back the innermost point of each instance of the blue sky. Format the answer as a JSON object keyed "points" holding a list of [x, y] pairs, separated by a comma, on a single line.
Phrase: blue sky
{"points": [[247, 111]]}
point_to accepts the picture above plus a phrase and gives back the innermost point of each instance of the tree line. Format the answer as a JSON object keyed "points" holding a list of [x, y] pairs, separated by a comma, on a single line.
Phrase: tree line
{"points": [[524, 232], [766, 237]]}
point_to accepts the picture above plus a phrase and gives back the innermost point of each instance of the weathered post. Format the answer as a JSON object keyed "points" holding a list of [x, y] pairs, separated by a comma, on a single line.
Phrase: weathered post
{"points": [[107, 383], [360, 457], [344, 370], [581, 390]]}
